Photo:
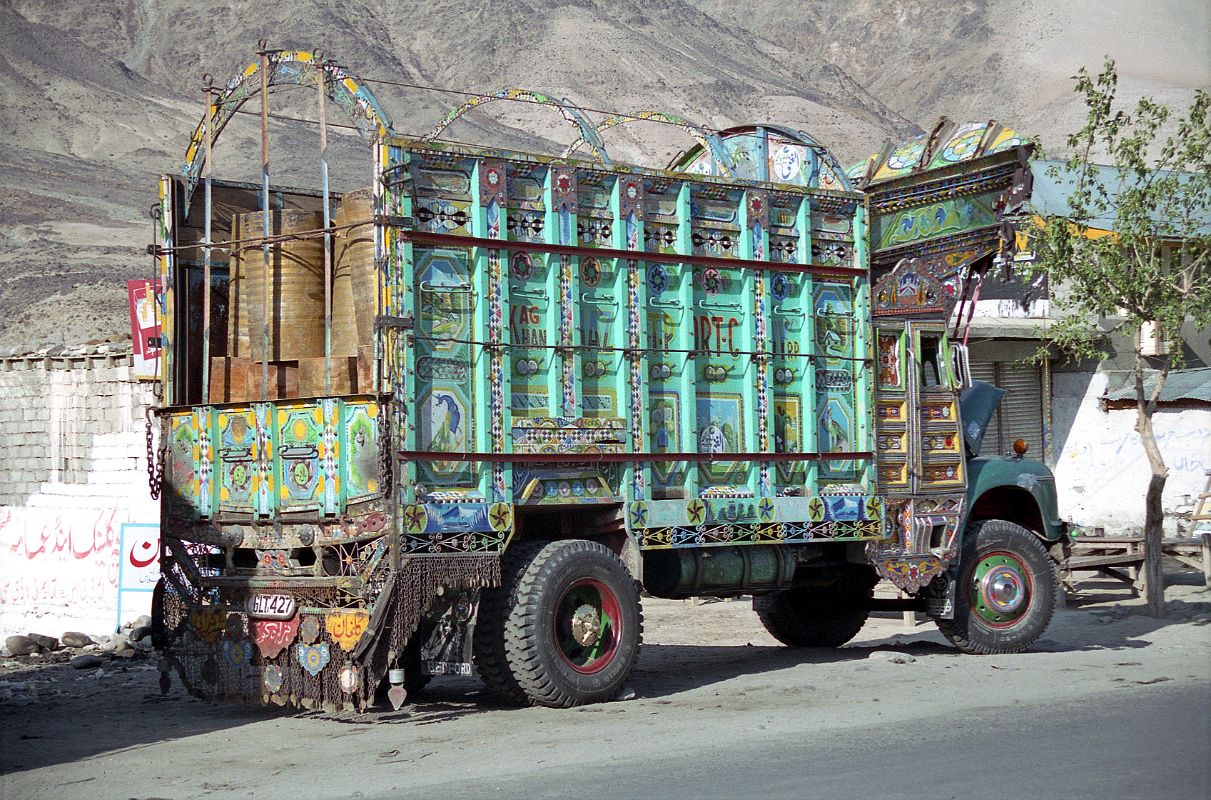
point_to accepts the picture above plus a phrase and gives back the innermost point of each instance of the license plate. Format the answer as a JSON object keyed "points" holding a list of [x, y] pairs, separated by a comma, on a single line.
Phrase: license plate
{"points": [[446, 668], [270, 606]]}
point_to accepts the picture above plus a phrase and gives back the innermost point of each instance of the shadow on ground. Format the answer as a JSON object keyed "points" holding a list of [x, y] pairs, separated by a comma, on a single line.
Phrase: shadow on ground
{"points": [[80, 714]]}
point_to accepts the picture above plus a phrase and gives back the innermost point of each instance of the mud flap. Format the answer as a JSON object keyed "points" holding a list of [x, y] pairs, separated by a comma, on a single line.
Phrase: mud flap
{"points": [[940, 596], [447, 649]]}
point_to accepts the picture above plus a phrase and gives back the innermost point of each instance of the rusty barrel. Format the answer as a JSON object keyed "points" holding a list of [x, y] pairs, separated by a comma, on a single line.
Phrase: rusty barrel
{"points": [[353, 275], [295, 309], [238, 342]]}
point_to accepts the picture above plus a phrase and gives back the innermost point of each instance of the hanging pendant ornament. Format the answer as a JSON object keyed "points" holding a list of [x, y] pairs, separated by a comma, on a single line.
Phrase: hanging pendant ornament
{"points": [[273, 679], [350, 678], [309, 631]]}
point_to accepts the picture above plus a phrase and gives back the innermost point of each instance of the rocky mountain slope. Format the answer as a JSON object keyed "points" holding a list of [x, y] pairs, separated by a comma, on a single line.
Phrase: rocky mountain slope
{"points": [[97, 99]]}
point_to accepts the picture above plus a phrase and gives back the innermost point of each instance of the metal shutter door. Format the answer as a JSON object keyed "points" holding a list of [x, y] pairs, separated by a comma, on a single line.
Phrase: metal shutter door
{"points": [[1021, 412]]}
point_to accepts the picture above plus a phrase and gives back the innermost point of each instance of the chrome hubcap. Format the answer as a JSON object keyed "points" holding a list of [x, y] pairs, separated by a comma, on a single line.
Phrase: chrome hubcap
{"points": [[1003, 588], [586, 625]]}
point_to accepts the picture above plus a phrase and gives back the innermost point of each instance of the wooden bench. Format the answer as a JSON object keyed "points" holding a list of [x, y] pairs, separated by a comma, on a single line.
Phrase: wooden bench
{"points": [[1118, 557], [1122, 557]]}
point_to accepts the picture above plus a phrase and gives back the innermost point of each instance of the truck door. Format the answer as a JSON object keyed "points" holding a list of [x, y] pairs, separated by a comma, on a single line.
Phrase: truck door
{"points": [[917, 424], [936, 443]]}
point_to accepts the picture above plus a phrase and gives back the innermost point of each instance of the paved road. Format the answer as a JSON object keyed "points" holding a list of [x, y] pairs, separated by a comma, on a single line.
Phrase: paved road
{"points": [[1107, 705], [1149, 744]]}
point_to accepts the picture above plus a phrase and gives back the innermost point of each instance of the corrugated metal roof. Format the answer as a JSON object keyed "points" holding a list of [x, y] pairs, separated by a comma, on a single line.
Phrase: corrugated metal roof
{"points": [[1182, 385], [1054, 182]]}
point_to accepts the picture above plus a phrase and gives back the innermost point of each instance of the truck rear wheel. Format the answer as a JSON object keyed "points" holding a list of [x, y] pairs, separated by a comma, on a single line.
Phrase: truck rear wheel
{"points": [[818, 616], [564, 628], [1006, 590]]}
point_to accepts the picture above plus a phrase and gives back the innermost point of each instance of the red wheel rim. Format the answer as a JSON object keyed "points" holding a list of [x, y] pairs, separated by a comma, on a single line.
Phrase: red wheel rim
{"points": [[588, 625]]}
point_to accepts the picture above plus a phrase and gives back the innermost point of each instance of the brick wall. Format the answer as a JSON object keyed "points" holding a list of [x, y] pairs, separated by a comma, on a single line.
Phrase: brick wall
{"points": [[73, 485]]}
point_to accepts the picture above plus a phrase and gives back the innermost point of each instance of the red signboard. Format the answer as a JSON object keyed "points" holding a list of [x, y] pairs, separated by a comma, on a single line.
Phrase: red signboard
{"points": [[145, 327]]}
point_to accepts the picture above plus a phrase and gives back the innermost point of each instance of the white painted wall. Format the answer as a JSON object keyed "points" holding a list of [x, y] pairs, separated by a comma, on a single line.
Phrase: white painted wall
{"points": [[1101, 471], [74, 482]]}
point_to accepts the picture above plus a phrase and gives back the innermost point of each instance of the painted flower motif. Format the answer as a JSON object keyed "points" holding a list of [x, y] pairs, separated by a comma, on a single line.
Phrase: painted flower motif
{"points": [[590, 272], [781, 286], [239, 653], [962, 146], [907, 155], [521, 266], [658, 278], [313, 657]]}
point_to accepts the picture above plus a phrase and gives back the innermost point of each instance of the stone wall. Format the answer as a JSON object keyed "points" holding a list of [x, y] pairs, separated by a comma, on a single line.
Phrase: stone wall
{"points": [[74, 501]]}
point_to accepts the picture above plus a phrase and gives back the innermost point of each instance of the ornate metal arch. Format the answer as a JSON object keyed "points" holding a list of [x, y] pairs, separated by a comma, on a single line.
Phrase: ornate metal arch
{"points": [[827, 159], [588, 135], [824, 159], [287, 67], [701, 135]]}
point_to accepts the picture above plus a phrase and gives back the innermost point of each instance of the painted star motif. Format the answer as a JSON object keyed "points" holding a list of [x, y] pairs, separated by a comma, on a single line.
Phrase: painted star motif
{"points": [[696, 511], [499, 516], [415, 518]]}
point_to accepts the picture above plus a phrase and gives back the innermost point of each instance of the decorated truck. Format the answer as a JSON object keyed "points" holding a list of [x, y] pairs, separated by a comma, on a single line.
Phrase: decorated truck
{"points": [[459, 420]]}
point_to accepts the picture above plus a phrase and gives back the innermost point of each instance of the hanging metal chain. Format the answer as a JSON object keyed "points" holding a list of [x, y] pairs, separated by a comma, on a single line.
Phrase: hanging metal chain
{"points": [[155, 459], [385, 459]]}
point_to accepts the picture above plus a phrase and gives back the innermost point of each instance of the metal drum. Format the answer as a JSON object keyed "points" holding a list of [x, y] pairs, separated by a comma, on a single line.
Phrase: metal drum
{"points": [[353, 274], [296, 287]]}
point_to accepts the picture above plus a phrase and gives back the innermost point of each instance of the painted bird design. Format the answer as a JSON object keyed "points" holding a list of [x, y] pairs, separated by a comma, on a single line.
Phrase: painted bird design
{"points": [[838, 436], [445, 420]]}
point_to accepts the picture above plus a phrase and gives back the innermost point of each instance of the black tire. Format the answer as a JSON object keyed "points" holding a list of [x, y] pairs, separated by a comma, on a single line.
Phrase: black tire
{"points": [[159, 626], [991, 616], [415, 681], [488, 645], [572, 629], [819, 616]]}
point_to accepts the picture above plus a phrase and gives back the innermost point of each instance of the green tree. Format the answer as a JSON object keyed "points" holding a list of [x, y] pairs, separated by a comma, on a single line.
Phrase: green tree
{"points": [[1152, 271]]}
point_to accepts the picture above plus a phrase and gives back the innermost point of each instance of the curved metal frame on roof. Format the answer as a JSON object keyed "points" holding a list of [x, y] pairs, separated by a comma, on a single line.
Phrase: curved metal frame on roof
{"points": [[286, 68], [704, 137], [796, 136], [947, 143], [588, 135]]}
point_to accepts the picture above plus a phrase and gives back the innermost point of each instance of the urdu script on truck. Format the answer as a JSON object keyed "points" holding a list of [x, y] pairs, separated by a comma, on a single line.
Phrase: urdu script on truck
{"points": [[459, 419]]}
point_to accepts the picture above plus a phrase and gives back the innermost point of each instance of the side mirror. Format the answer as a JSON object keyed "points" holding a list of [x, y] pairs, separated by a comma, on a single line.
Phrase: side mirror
{"points": [[961, 364]]}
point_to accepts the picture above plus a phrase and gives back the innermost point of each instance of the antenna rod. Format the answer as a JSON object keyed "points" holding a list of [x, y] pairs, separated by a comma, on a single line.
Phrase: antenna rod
{"points": [[265, 219], [322, 84], [206, 239]]}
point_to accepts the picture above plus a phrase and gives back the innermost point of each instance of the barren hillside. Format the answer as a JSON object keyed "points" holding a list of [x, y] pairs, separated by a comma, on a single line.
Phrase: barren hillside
{"points": [[97, 99]]}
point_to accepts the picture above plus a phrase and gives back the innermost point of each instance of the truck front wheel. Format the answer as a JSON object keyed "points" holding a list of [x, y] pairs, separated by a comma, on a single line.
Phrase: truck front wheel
{"points": [[564, 628], [818, 616], [1006, 590]]}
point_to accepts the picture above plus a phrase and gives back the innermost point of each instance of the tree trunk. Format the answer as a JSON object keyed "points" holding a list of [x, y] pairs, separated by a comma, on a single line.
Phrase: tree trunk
{"points": [[1154, 512]]}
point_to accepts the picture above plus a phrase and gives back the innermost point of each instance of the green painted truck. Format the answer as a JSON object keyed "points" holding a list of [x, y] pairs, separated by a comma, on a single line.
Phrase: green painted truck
{"points": [[556, 382]]}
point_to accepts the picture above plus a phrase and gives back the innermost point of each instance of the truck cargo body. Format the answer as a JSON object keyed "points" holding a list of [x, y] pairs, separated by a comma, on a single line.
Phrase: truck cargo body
{"points": [[404, 423]]}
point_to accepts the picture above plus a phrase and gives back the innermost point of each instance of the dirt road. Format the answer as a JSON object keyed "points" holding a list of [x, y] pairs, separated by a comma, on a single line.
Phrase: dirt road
{"points": [[715, 695]]}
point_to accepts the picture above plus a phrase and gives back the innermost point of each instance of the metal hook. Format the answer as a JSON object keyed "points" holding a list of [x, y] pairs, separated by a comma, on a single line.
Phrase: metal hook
{"points": [[154, 211], [207, 81], [262, 46]]}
